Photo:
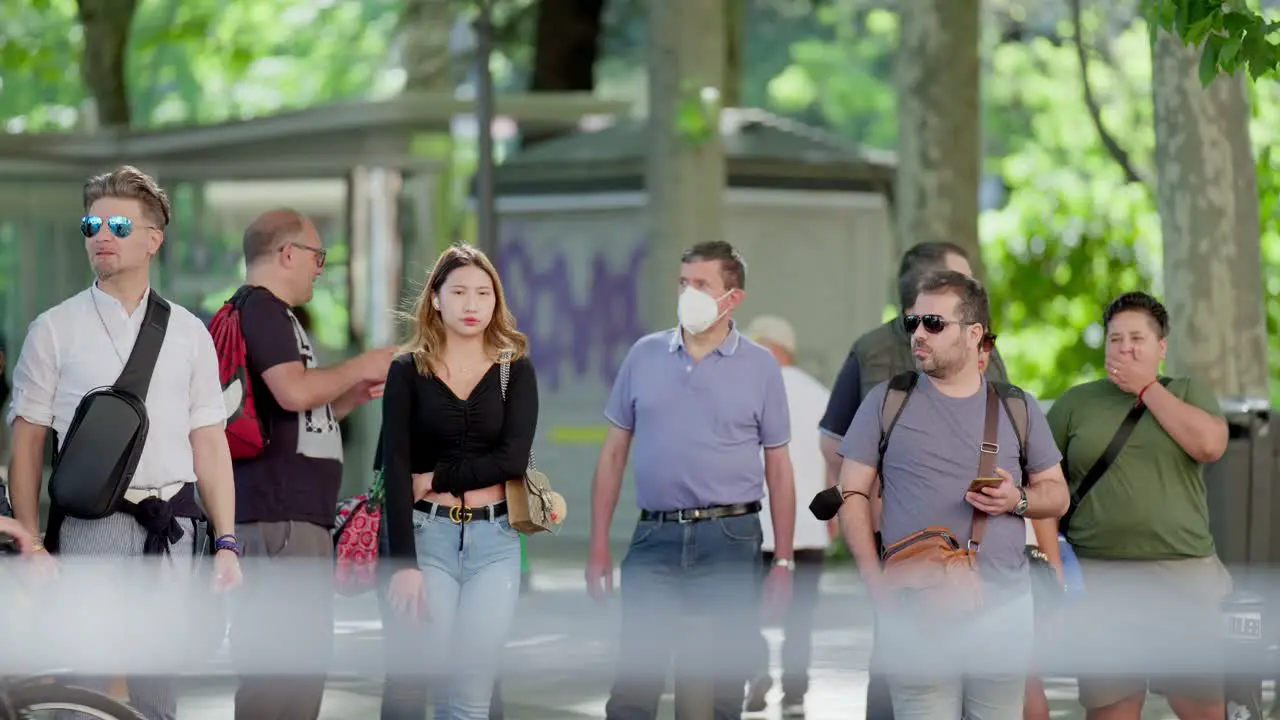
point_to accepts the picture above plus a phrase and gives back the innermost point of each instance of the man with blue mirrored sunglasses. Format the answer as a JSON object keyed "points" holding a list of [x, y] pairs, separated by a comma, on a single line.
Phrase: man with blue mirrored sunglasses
{"points": [[82, 345]]}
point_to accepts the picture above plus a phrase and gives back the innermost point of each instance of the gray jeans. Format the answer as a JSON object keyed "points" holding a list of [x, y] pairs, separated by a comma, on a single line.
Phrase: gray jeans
{"points": [[282, 623]]}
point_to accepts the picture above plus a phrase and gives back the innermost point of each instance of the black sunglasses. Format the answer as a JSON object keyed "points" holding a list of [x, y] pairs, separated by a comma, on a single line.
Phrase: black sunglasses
{"points": [[933, 324], [120, 226]]}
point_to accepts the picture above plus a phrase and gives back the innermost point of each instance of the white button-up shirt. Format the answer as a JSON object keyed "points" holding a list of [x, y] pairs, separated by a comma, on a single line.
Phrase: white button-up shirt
{"points": [[81, 344]]}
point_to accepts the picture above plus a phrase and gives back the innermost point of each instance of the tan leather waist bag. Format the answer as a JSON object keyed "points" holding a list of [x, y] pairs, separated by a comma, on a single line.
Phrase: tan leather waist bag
{"points": [[930, 568]]}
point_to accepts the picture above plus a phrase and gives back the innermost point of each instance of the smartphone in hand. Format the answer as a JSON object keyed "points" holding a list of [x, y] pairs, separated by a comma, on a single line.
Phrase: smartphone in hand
{"points": [[979, 483]]}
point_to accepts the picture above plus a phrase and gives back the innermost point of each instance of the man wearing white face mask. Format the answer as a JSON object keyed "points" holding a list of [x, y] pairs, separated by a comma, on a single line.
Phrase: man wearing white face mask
{"points": [[698, 402]]}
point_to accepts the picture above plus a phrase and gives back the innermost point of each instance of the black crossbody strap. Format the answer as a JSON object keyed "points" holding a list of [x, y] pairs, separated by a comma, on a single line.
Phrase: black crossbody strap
{"points": [[136, 376], [1103, 463]]}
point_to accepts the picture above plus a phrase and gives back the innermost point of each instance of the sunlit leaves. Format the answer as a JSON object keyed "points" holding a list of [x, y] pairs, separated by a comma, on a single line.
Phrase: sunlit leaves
{"points": [[793, 89], [1233, 35]]}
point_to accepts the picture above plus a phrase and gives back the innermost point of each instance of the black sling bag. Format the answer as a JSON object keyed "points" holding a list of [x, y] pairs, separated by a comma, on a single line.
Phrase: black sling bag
{"points": [[95, 465]]}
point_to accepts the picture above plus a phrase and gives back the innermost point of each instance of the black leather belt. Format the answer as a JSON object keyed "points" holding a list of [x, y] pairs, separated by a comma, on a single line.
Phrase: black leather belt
{"points": [[706, 513], [462, 513]]}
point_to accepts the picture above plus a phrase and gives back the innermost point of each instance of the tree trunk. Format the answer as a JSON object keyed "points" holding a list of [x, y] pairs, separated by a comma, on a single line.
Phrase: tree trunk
{"points": [[106, 24], [1207, 187], [939, 124], [685, 177], [565, 49]]}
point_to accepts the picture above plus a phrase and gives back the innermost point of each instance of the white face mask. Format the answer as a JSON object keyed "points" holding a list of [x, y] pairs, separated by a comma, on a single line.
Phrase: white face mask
{"points": [[698, 311]]}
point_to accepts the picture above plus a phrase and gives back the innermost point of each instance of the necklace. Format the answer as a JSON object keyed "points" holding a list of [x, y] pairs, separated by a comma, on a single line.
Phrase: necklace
{"points": [[105, 329]]}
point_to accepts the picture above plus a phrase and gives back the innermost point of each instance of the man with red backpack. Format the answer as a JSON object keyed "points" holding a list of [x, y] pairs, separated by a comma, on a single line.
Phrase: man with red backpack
{"points": [[282, 426]]}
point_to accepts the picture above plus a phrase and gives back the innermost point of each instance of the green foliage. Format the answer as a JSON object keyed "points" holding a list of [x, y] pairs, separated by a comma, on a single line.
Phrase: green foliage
{"points": [[1234, 36], [200, 60], [1073, 233], [845, 81], [697, 113]]}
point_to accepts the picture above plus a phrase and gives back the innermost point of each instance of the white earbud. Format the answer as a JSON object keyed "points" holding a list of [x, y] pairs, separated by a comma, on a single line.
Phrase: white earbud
{"points": [[435, 302]]}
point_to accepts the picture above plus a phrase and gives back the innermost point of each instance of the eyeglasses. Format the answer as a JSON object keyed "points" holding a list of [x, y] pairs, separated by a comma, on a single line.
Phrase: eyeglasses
{"points": [[320, 253], [119, 225], [933, 324]]}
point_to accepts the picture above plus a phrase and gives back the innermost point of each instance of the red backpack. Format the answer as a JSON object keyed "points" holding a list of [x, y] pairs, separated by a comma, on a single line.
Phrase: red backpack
{"points": [[246, 431]]}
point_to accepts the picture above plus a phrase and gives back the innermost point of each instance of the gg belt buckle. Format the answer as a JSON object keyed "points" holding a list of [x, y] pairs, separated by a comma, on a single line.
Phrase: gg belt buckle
{"points": [[459, 514]]}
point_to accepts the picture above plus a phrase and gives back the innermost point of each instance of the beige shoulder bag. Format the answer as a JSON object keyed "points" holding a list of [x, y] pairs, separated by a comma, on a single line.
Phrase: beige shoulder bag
{"points": [[532, 505]]}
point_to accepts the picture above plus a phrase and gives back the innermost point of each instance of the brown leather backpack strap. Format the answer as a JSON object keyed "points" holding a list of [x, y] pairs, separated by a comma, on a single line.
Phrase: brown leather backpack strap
{"points": [[987, 453]]}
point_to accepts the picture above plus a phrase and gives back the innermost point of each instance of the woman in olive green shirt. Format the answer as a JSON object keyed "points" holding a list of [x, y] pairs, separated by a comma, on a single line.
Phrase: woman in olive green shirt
{"points": [[1152, 578]]}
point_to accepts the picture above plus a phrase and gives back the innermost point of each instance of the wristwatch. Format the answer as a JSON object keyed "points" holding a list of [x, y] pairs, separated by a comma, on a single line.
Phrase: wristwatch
{"points": [[787, 563], [1021, 507]]}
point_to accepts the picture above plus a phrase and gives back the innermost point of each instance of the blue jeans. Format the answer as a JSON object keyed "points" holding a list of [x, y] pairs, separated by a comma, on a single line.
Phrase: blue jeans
{"points": [[471, 572], [690, 590], [974, 668]]}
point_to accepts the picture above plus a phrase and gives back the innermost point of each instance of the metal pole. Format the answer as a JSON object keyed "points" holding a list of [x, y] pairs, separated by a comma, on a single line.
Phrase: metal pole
{"points": [[486, 212]]}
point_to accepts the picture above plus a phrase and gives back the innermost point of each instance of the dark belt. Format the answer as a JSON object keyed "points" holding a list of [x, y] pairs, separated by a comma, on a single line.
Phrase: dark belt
{"points": [[706, 513], [459, 514]]}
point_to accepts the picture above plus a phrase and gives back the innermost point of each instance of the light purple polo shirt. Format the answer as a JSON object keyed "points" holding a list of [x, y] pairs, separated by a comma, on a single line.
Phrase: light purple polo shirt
{"points": [[697, 427]]}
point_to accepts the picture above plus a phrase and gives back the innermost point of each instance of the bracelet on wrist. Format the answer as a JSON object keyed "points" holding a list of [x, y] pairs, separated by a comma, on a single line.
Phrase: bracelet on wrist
{"points": [[226, 542], [1142, 393]]}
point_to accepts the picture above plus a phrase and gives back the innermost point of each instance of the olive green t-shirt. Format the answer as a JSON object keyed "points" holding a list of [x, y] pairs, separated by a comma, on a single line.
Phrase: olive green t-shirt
{"points": [[1150, 504]]}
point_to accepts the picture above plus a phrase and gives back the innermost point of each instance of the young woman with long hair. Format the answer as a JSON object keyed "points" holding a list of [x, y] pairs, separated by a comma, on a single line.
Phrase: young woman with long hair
{"points": [[450, 443]]}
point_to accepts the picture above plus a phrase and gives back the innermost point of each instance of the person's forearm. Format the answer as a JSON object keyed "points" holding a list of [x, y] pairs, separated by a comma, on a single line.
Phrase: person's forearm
{"points": [[605, 489], [215, 478], [855, 521], [830, 447], [780, 478], [1046, 531], [299, 391], [345, 404], [1201, 435], [1047, 498], [26, 473]]}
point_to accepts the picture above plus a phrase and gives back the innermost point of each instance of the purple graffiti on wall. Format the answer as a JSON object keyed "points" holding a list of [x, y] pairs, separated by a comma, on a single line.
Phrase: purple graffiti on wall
{"points": [[588, 335]]}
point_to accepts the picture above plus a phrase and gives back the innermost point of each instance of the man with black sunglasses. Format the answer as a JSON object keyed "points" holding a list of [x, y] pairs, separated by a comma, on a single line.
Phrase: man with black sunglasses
{"points": [[953, 463], [875, 357]]}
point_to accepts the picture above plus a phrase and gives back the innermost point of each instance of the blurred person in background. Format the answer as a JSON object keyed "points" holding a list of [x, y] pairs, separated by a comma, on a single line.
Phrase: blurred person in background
{"points": [[806, 400], [8, 526], [451, 441], [5, 508]]}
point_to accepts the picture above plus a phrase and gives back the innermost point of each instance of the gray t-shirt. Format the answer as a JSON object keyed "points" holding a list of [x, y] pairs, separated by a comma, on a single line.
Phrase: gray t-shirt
{"points": [[931, 459]]}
